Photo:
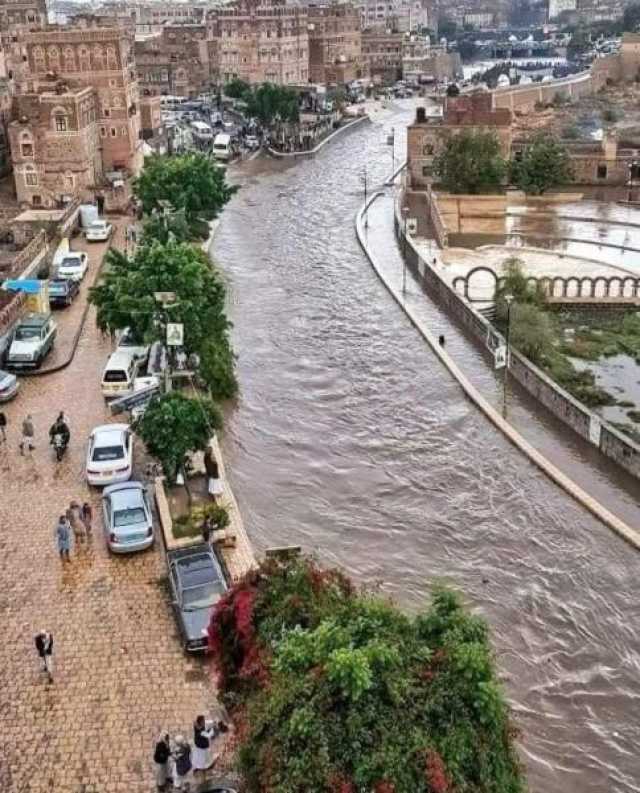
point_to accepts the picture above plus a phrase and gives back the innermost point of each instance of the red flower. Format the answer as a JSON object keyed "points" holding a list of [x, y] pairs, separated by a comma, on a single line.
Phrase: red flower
{"points": [[436, 773]]}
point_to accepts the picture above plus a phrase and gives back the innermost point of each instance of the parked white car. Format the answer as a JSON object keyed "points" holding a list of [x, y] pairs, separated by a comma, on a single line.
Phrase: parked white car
{"points": [[109, 455], [99, 231], [73, 265], [128, 343]]}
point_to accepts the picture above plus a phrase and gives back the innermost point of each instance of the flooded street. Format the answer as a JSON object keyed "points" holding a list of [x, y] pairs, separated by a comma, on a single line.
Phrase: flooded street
{"points": [[350, 439]]}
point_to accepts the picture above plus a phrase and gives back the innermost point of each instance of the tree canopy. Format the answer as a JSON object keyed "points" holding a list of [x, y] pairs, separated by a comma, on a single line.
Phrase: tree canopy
{"points": [[125, 298], [237, 89], [471, 163], [270, 102], [631, 17], [192, 183], [545, 164], [173, 426], [333, 690]]}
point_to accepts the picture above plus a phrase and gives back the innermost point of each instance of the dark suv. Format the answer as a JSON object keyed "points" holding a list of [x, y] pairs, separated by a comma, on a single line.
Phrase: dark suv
{"points": [[62, 292]]}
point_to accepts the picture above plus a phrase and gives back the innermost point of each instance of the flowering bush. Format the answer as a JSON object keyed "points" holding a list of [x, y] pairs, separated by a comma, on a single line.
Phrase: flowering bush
{"points": [[336, 691]]}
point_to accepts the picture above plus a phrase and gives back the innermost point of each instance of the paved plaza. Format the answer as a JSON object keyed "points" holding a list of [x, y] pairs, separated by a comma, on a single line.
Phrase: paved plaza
{"points": [[120, 672]]}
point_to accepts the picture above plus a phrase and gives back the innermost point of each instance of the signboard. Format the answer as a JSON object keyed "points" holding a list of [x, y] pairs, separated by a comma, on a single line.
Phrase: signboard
{"points": [[500, 357], [412, 226], [134, 400], [175, 334], [164, 297]]}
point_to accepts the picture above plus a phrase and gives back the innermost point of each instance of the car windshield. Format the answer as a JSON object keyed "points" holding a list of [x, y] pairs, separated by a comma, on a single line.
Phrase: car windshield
{"points": [[102, 454], [201, 597], [70, 262], [98, 225], [57, 288], [26, 333], [129, 517]]}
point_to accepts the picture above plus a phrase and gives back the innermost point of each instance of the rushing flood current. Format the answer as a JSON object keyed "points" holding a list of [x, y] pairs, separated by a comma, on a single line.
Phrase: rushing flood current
{"points": [[351, 440]]}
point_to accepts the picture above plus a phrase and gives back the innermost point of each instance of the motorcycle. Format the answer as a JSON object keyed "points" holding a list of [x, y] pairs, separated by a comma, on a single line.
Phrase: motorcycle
{"points": [[59, 445]]}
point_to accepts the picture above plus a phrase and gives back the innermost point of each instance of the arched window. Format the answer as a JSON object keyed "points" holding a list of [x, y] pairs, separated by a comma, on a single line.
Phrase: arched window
{"points": [[30, 176], [85, 59], [69, 59], [112, 59], [39, 63], [53, 56], [26, 144], [98, 57]]}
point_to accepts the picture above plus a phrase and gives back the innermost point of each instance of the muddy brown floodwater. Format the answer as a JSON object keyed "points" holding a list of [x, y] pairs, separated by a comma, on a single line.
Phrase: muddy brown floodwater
{"points": [[351, 440]]}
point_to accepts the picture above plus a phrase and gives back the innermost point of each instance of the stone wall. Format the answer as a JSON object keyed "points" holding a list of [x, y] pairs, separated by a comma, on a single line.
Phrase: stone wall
{"points": [[589, 426], [525, 97], [471, 213]]}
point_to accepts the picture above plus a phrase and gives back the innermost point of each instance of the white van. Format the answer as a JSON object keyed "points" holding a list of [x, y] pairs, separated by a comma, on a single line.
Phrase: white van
{"points": [[222, 148], [119, 374], [201, 131]]}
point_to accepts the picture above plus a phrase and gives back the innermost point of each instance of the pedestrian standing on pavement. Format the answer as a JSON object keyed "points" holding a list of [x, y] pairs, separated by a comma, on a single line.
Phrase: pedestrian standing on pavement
{"points": [[3, 427], [161, 756], [86, 515], [74, 516], [44, 646], [214, 484], [203, 734], [28, 432], [63, 537], [181, 762]]}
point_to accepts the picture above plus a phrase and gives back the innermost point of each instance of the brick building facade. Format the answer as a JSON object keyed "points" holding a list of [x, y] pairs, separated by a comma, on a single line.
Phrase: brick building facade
{"points": [[175, 61], [79, 92], [335, 44], [382, 55], [261, 41], [428, 135]]}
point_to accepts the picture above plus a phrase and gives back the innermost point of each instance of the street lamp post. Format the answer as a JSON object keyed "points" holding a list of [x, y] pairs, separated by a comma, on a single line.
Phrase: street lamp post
{"points": [[366, 208], [632, 165], [508, 300], [405, 213], [393, 150]]}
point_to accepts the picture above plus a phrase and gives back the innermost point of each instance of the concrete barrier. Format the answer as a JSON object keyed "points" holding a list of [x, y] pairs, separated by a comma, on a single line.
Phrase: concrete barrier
{"points": [[632, 536]]}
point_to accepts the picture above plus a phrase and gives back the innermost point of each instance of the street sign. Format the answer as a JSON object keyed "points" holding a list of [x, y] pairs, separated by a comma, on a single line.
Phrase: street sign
{"points": [[500, 357], [135, 399], [175, 334]]}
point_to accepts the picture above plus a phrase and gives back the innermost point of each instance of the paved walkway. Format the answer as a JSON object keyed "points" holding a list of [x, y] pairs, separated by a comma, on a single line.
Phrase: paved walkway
{"points": [[121, 673]]}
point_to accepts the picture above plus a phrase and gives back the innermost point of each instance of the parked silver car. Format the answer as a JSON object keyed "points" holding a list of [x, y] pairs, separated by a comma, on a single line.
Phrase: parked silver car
{"points": [[8, 386], [128, 522]]}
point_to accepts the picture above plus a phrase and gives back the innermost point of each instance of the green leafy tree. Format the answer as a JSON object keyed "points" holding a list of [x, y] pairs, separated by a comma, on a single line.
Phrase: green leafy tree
{"points": [[270, 102], [631, 17], [467, 49], [217, 366], [471, 163], [125, 295], [337, 691], [191, 183], [447, 28], [162, 228], [174, 426], [531, 332], [545, 164], [237, 89]]}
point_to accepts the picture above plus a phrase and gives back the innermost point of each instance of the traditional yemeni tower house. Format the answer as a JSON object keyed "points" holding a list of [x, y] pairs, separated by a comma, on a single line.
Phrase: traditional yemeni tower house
{"points": [[78, 115]]}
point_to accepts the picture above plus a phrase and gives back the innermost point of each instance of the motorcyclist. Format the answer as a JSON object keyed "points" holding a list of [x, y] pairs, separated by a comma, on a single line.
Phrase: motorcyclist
{"points": [[60, 427]]}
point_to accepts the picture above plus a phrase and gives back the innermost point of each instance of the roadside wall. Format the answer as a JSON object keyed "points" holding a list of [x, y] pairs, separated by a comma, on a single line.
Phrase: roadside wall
{"points": [[472, 213], [525, 97], [589, 426]]}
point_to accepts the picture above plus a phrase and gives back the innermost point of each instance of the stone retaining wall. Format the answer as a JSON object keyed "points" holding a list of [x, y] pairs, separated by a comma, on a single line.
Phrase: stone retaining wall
{"points": [[588, 425]]}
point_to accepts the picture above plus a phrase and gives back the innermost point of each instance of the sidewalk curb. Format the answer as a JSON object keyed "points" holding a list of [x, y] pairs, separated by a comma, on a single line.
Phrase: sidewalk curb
{"points": [[311, 152], [632, 536]]}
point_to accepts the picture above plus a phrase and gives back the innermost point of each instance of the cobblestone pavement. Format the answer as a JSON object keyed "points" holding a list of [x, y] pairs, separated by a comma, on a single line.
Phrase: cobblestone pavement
{"points": [[120, 672]]}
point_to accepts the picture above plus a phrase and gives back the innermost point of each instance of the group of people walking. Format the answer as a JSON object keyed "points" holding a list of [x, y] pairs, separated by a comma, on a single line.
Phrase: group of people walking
{"points": [[177, 760], [77, 521]]}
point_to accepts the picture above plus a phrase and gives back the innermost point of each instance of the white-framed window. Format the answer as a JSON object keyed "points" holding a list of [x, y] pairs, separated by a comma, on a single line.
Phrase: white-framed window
{"points": [[60, 122], [30, 176], [114, 132]]}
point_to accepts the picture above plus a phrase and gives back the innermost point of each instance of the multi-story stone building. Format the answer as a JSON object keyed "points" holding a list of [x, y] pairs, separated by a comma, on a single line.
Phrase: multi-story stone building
{"points": [[428, 135], [152, 16], [79, 98], [400, 15], [335, 44], [175, 60], [382, 54], [423, 63], [261, 41]]}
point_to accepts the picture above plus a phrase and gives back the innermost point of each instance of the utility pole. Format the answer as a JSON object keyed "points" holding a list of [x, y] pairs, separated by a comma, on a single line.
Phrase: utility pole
{"points": [[405, 213], [508, 300], [366, 208]]}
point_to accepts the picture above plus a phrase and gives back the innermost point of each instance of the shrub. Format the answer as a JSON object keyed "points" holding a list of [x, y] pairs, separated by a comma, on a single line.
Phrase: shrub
{"points": [[337, 690]]}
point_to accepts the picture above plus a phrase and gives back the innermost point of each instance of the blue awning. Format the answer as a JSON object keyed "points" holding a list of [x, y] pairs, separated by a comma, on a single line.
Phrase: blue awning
{"points": [[31, 287]]}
